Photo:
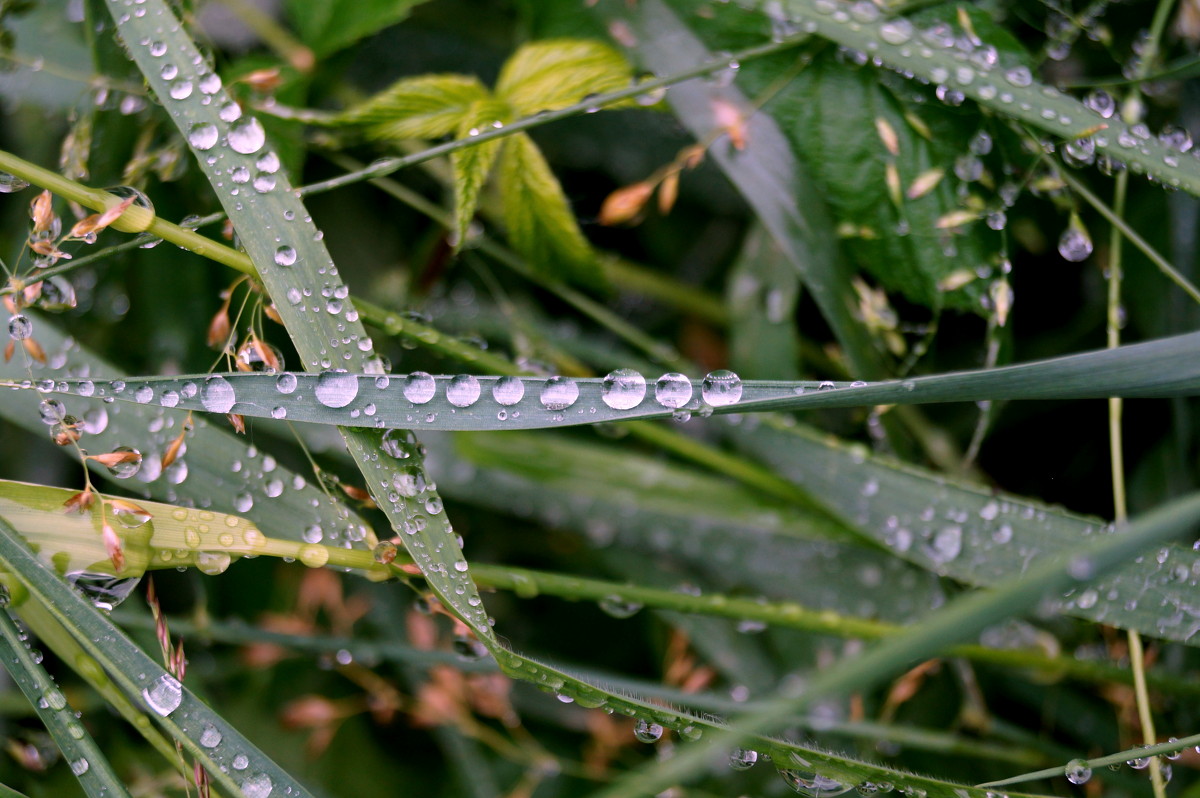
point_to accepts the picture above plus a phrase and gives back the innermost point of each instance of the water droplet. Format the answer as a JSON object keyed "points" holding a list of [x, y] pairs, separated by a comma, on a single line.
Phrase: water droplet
{"points": [[10, 184], [508, 391], [559, 393], [1075, 244], [398, 443], [336, 388], [210, 736], [210, 83], [419, 387], [647, 732], [247, 136], [673, 390], [618, 607], [130, 460], [896, 31], [203, 136], [79, 766], [285, 255], [721, 388], [946, 544], [1019, 76], [164, 695], [286, 383], [180, 90], [812, 785], [217, 395], [623, 389], [743, 758], [105, 591], [462, 391], [19, 327], [52, 411]]}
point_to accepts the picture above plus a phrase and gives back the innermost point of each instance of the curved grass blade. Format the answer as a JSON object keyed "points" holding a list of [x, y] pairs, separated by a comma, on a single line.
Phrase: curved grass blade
{"points": [[296, 269], [184, 716], [1163, 368], [957, 621], [89, 765], [976, 535]]}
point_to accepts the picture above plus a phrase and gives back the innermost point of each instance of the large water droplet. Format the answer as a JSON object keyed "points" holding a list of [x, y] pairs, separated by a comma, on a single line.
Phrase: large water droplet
{"points": [[128, 462], [743, 758], [19, 327], [1019, 76], [10, 184], [419, 387], [463, 390], [257, 786], [647, 732], [286, 383], [336, 388], [721, 388], [508, 391], [673, 390], [217, 395], [559, 393], [623, 389], [164, 695], [1075, 244], [203, 136], [896, 31], [247, 136]]}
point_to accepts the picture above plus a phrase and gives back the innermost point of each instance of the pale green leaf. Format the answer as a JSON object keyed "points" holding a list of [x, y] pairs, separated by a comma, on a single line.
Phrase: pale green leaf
{"points": [[541, 226], [472, 164], [555, 73], [422, 107]]}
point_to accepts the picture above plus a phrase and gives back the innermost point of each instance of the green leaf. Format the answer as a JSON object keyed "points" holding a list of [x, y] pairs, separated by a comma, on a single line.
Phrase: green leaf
{"points": [[423, 107], [555, 73], [541, 226], [471, 165], [331, 25], [763, 290]]}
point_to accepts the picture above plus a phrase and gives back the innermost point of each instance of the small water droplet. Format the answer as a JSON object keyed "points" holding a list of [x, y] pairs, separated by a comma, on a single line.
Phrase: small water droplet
{"points": [[1019, 76], [559, 393], [618, 607], [743, 758], [1075, 244], [285, 255], [210, 736], [129, 463], [647, 732], [286, 383]]}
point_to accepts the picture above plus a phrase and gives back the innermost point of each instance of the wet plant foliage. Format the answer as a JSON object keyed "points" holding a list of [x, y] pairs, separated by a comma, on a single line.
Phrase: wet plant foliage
{"points": [[665, 398]]}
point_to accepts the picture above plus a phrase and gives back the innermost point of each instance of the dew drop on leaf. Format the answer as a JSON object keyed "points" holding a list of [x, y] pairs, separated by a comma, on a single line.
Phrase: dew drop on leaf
{"points": [[247, 136], [673, 390], [285, 255], [743, 758], [462, 391], [623, 389], [217, 395], [286, 383], [164, 695], [419, 387], [721, 388], [508, 391], [336, 388], [647, 732], [19, 327], [203, 136], [210, 736], [559, 393], [128, 466]]}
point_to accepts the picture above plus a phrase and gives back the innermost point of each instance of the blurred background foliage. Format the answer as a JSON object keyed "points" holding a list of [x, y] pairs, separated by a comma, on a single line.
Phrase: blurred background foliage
{"points": [[349, 720]]}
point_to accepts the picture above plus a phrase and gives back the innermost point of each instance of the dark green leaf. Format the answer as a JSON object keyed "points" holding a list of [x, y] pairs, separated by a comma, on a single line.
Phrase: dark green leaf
{"points": [[330, 25]]}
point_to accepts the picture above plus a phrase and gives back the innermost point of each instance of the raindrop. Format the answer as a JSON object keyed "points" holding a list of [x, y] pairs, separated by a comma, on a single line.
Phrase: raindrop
{"points": [[180, 90], [257, 786], [164, 695], [397, 443], [623, 389], [105, 591], [896, 31], [721, 388], [128, 465], [743, 758], [1102, 103], [508, 391], [79, 767], [673, 390], [647, 732], [946, 544], [210, 736], [203, 136], [268, 163], [217, 395], [210, 83], [247, 136], [285, 255], [463, 390], [19, 327], [52, 411], [336, 388], [1019, 76], [419, 387], [813, 785], [1075, 244], [286, 383], [1078, 772], [559, 393], [618, 607]]}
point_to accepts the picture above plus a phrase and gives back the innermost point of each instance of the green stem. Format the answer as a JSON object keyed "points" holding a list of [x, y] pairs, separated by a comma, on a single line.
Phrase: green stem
{"points": [[1119, 758]]}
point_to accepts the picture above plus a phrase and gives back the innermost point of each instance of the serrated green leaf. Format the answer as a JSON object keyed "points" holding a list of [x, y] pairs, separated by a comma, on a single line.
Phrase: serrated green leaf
{"points": [[472, 165], [555, 73], [541, 226], [427, 106], [327, 26]]}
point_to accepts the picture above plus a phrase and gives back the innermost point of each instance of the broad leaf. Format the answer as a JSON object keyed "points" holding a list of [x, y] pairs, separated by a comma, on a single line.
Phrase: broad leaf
{"points": [[472, 164], [541, 226], [427, 106], [555, 73]]}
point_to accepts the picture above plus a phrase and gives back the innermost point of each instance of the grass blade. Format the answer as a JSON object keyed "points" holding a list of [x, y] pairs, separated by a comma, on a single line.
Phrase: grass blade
{"points": [[175, 708], [1161, 368], [89, 765]]}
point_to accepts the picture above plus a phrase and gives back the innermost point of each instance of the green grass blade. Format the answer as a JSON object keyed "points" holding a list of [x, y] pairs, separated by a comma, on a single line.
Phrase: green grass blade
{"points": [[1161, 368], [976, 535], [957, 621], [296, 269], [184, 716], [89, 765]]}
